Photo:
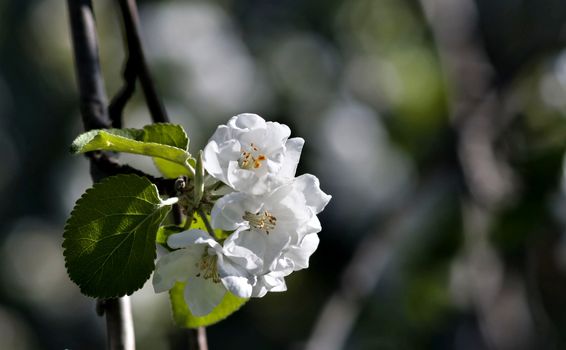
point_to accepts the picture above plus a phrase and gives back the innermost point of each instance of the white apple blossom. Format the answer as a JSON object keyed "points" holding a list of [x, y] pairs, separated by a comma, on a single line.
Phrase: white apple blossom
{"points": [[271, 214], [274, 234], [252, 155], [200, 262]]}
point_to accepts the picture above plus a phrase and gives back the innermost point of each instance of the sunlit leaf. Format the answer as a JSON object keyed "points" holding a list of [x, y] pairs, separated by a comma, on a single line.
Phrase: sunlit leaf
{"points": [[171, 135], [152, 140], [109, 240], [198, 223], [184, 318]]}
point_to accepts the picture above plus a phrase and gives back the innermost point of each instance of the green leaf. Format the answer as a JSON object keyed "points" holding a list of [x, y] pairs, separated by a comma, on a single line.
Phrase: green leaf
{"points": [[166, 134], [169, 169], [184, 318], [164, 141], [172, 135], [198, 223], [164, 232], [109, 240]]}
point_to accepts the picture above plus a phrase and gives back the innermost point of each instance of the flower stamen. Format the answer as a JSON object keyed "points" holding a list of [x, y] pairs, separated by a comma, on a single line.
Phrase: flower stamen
{"points": [[262, 221], [208, 267], [251, 159]]}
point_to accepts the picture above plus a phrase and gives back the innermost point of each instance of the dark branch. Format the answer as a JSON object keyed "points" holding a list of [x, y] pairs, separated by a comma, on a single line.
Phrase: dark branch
{"points": [[119, 101], [137, 62], [94, 114], [91, 85], [118, 316]]}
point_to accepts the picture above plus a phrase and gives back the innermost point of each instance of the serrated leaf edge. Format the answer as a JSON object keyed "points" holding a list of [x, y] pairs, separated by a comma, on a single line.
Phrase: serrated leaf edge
{"points": [[65, 230]]}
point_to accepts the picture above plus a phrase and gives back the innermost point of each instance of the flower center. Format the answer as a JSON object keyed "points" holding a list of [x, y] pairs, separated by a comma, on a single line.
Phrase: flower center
{"points": [[208, 267], [251, 159], [261, 221]]}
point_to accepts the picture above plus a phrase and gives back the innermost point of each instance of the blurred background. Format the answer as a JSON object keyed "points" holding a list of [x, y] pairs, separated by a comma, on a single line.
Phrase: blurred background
{"points": [[438, 126]]}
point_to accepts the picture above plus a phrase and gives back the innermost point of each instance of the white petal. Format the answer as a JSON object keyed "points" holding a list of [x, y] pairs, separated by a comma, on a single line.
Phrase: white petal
{"points": [[203, 295], [217, 155], [235, 277], [238, 285], [310, 186], [210, 159], [280, 287], [220, 149], [275, 137], [300, 254], [189, 238], [221, 134], [267, 283], [276, 242], [294, 147], [228, 211], [288, 205], [310, 226], [246, 121], [282, 267], [244, 180], [175, 267], [246, 248], [278, 133]]}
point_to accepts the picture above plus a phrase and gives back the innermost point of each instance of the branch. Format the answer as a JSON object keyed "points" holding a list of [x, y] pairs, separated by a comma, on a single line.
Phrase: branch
{"points": [[119, 101], [94, 114], [136, 64], [197, 339], [92, 98], [118, 316]]}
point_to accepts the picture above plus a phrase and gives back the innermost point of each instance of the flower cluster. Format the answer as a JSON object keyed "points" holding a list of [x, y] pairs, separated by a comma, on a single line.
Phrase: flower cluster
{"points": [[271, 216]]}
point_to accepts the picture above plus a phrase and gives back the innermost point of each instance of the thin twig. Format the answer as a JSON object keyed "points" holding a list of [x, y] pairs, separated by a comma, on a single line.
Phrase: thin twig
{"points": [[94, 114], [136, 59], [197, 339], [119, 101], [118, 316]]}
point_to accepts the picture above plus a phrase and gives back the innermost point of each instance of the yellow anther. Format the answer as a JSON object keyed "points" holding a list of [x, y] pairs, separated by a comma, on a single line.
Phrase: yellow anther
{"points": [[208, 268], [251, 159], [262, 221]]}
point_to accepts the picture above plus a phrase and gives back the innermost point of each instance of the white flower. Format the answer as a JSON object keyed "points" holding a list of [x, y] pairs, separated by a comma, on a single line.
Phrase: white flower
{"points": [[200, 262], [275, 233], [252, 155]]}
